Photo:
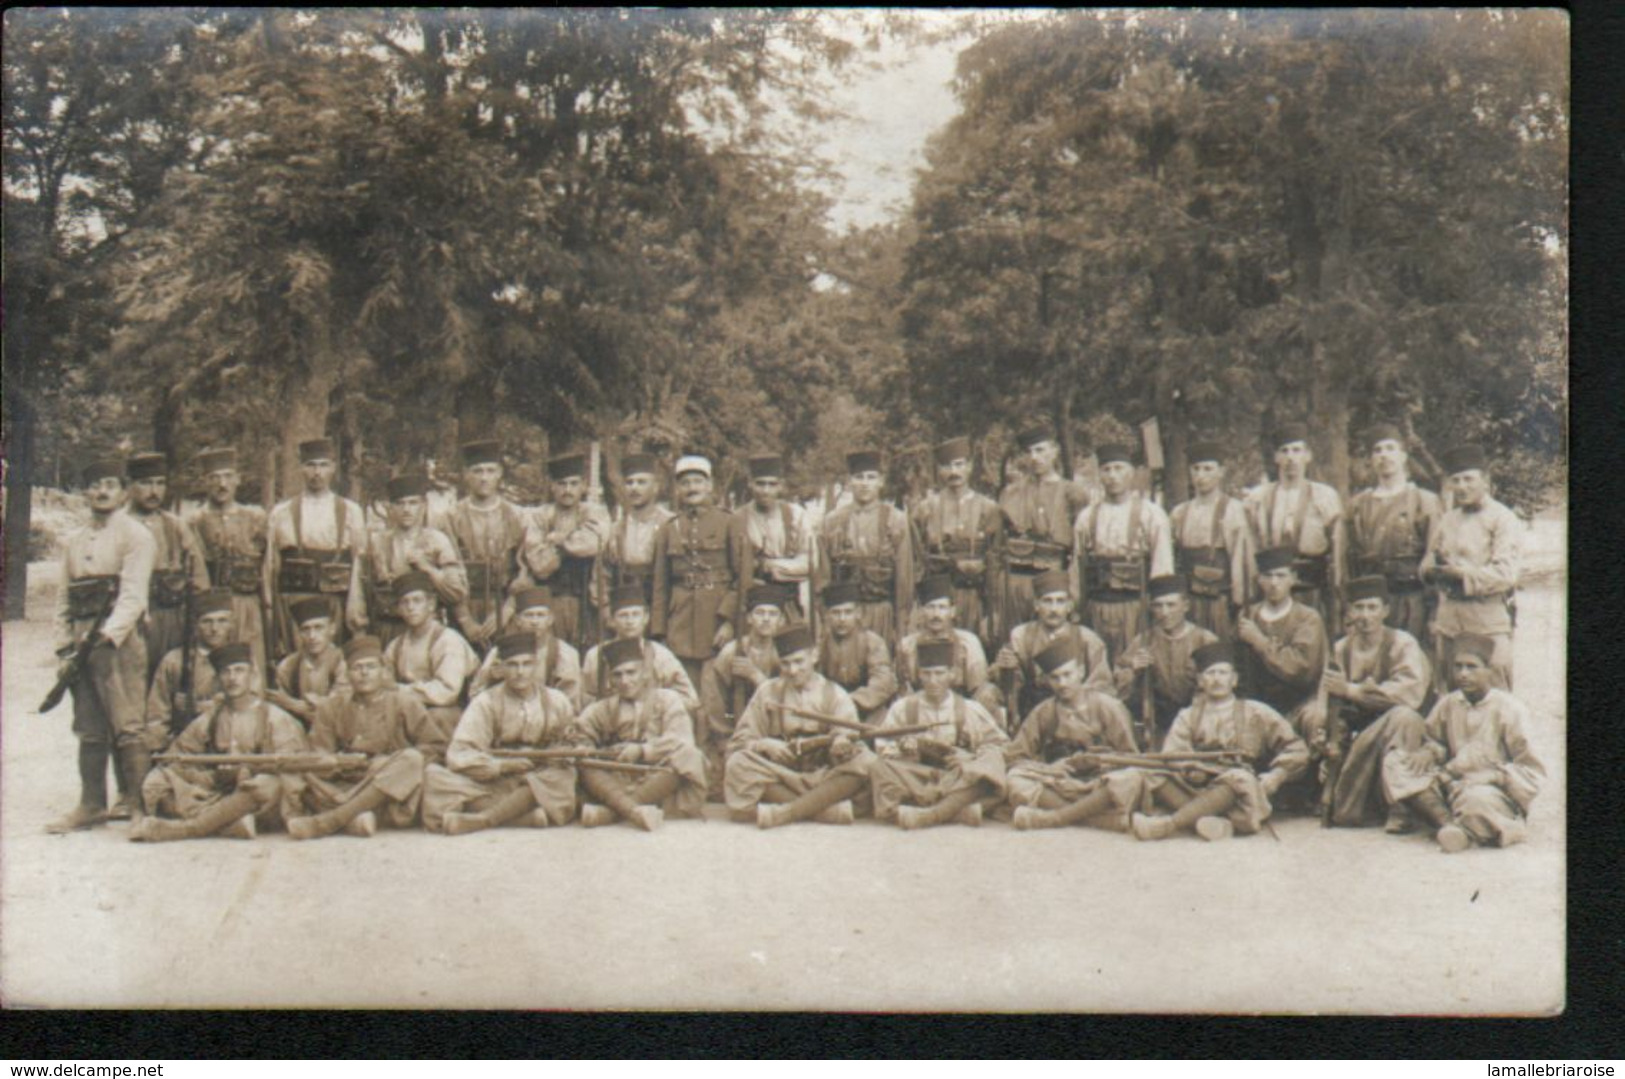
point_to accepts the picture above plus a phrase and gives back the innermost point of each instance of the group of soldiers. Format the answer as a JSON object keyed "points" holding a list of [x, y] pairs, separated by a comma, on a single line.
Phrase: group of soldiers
{"points": [[1151, 673]]}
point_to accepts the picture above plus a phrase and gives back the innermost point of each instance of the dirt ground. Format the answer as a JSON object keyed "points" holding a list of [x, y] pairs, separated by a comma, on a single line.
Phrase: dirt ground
{"points": [[713, 915]]}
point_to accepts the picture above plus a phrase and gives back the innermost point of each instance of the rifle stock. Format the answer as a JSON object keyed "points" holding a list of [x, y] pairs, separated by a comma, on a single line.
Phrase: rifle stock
{"points": [[78, 664], [282, 763]]}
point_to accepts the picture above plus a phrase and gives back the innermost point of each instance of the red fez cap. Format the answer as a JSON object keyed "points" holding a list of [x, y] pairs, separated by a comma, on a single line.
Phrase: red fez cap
{"points": [[1275, 558], [365, 646], [488, 452], [1059, 653], [411, 485]]}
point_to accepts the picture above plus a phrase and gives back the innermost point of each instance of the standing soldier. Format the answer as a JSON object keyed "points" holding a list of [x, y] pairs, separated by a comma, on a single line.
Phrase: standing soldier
{"points": [[177, 558], [430, 659], [1306, 518], [867, 543], [957, 529], [1039, 509], [647, 726], [629, 555], [1212, 544], [1159, 665], [773, 779], [488, 532], [233, 538], [936, 596], [316, 540], [778, 543], [558, 665], [697, 569], [1473, 559], [385, 723], [1388, 531], [562, 543], [732, 679], [1122, 542], [308, 676], [107, 570], [854, 658], [407, 546], [1022, 682]]}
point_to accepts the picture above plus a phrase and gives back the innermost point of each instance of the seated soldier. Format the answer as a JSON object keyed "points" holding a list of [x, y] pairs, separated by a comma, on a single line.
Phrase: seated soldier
{"points": [[949, 772], [171, 702], [188, 801], [1162, 655], [430, 659], [1020, 679], [1475, 777], [1282, 652], [475, 789], [936, 607], [629, 618], [728, 682], [558, 664], [1220, 799], [1376, 682], [307, 677], [768, 775], [381, 721], [1046, 787], [646, 725], [856, 659]]}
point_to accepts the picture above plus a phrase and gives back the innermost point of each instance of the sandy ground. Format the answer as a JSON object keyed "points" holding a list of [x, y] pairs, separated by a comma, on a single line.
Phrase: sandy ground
{"points": [[713, 915]]}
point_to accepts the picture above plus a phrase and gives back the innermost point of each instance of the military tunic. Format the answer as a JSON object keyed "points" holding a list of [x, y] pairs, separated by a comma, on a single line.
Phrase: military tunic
{"points": [[108, 556], [434, 664], [871, 545], [860, 663], [1285, 673], [308, 681], [1483, 542], [665, 671], [1213, 550], [1054, 731], [1028, 686], [561, 550], [1120, 547], [1307, 517], [629, 554], [169, 680], [784, 534], [749, 773], [958, 536], [233, 541], [1397, 666], [723, 698], [501, 719], [1172, 672], [1388, 536], [1037, 536], [1495, 776], [315, 548], [388, 557], [898, 777], [969, 670], [184, 791], [488, 541], [387, 727], [660, 721], [698, 563], [175, 547]]}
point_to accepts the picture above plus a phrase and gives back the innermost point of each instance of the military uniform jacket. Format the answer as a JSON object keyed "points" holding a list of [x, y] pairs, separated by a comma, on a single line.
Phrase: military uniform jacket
{"points": [[1213, 546], [1307, 518], [1173, 668], [956, 535], [118, 548], [1395, 663], [698, 563], [1041, 510], [233, 542], [501, 719], [629, 555], [313, 680], [861, 664], [762, 721], [561, 548], [387, 722], [488, 542], [871, 545], [1388, 534], [1484, 543], [326, 528], [1286, 672], [970, 662], [666, 671], [173, 541], [388, 553], [1056, 729], [1133, 532], [1251, 728]]}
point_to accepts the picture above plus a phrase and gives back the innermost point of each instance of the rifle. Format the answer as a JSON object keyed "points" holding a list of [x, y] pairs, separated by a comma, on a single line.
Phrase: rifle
{"points": [[581, 758], [820, 717], [813, 743], [280, 763], [178, 716], [1186, 765], [78, 657]]}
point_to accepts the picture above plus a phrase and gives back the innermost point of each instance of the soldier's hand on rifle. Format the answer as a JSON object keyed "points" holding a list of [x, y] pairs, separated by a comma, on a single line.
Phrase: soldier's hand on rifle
{"points": [[932, 751], [1337, 685], [1249, 632], [1006, 659], [1080, 763], [1140, 658], [841, 749], [631, 753], [485, 771], [774, 749], [184, 705]]}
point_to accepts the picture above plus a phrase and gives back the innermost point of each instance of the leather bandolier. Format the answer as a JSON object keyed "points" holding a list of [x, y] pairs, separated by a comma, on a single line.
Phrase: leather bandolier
{"points": [[1207, 569], [313, 570], [1400, 568], [167, 589], [874, 574], [1124, 577], [1313, 571]]}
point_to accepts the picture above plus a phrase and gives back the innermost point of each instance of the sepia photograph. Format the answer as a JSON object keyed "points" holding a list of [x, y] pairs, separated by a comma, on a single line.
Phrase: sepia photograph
{"points": [[786, 510]]}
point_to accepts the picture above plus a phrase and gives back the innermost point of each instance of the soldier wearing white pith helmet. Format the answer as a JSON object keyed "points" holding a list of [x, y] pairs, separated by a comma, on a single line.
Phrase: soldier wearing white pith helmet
{"points": [[699, 557]]}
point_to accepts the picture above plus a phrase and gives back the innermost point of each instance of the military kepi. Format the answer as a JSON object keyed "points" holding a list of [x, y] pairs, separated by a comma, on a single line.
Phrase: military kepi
{"points": [[316, 449], [146, 466]]}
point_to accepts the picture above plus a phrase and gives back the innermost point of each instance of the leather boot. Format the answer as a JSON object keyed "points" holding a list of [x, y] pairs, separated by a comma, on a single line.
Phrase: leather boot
{"points": [[334, 820], [134, 763], [941, 813], [656, 789], [125, 807], [514, 804], [824, 796], [92, 807], [216, 818], [607, 791]]}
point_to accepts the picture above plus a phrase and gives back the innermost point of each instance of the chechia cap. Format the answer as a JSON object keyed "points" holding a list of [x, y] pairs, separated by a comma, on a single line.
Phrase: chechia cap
{"points": [[1057, 654], [619, 651], [955, 449], [1464, 459], [1373, 587], [797, 638], [309, 609], [1209, 654], [486, 452], [1172, 584], [934, 654], [316, 449], [1275, 558], [228, 654], [216, 460]]}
